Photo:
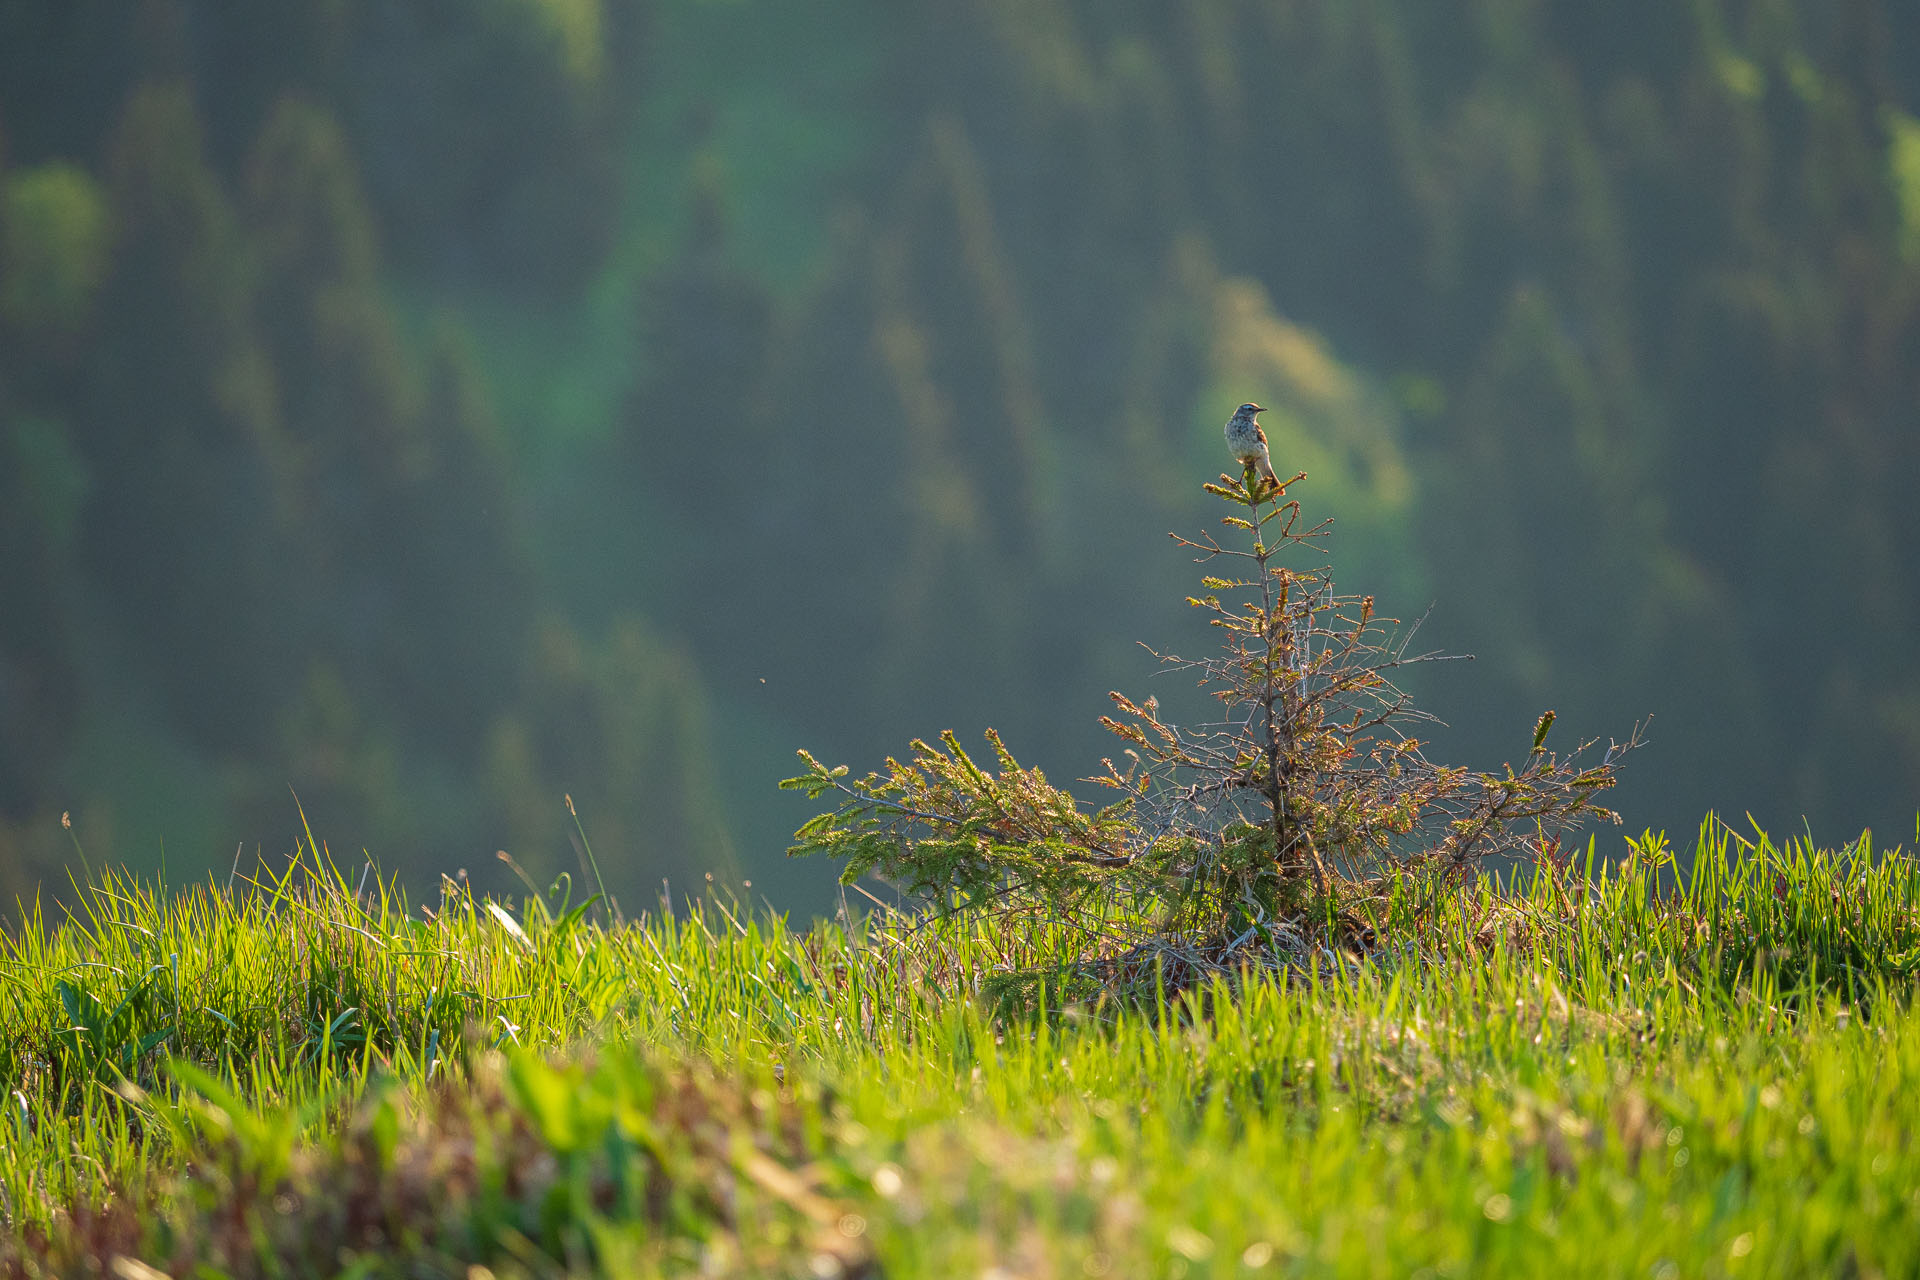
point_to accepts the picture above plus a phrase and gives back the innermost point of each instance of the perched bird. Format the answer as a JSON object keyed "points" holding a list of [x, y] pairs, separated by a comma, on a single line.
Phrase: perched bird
{"points": [[1249, 442]]}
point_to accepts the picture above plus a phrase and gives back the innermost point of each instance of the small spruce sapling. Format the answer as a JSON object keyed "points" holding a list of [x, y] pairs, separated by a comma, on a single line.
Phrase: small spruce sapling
{"points": [[1244, 840]]}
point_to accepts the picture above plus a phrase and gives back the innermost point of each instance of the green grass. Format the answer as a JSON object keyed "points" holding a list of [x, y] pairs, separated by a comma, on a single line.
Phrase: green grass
{"points": [[1653, 1074]]}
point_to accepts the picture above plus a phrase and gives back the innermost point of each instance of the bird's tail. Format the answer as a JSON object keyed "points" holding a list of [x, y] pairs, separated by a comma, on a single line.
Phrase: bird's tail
{"points": [[1267, 473]]}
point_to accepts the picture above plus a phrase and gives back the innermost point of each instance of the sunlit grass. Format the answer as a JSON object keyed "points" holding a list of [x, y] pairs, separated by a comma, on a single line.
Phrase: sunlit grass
{"points": [[1638, 1072]]}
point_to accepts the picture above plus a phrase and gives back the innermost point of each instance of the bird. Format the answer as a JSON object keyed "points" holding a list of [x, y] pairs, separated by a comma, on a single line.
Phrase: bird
{"points": [[1249, 442]]}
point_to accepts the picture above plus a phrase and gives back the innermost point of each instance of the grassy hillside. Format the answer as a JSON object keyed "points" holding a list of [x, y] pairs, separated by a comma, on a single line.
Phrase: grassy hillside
{"points": [[304, 1075]]}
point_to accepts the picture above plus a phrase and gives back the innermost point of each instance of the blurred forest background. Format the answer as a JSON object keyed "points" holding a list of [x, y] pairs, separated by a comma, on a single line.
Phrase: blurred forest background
{"points": [[436, 408]]}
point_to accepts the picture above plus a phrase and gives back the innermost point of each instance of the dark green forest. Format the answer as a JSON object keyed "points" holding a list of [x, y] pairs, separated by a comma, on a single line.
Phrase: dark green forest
{"points": [[435, 410]]}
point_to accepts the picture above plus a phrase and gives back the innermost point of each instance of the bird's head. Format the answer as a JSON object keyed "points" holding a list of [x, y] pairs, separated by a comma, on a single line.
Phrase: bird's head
{"points": [[1248, 410]]}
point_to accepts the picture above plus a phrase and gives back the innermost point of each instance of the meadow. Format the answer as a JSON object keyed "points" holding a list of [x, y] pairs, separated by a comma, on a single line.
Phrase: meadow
{"points": [[1605, 1068]]}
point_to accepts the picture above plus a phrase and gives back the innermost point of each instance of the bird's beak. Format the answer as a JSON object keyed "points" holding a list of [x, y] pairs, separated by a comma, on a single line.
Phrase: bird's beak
{"points": [[1258, 409]]}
